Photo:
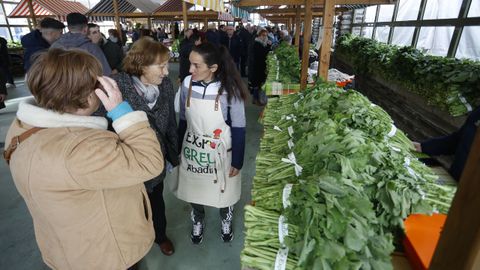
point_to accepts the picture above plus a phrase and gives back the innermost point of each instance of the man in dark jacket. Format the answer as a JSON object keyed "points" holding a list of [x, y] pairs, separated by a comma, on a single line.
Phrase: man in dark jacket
{"points": [[458, 143], [40, 39], [212, 35], [232, 42], [5, 63], [113, 52], [3, 88], [77, 38], [191, 39], [245, 41]]}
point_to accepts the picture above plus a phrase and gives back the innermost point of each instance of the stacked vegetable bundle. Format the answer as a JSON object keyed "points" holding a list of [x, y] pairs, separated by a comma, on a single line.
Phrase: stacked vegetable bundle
{"points": [[283, 70], [334, 179], [450, 84]]}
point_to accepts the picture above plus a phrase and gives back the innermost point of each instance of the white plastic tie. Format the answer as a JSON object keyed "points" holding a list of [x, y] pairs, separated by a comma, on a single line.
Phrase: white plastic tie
{"points": [[281, 259], [278, 69], [407, 166], [290, 131], [277, 128], [282, 229], [287, 190], [465, 102], [292, 160], [291, 117], [395, 149], [393, 131], [290, 144]]}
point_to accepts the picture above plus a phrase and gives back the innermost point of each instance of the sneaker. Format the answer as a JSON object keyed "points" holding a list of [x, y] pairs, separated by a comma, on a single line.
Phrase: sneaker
{"points": [[197, 232], [227, 230]]}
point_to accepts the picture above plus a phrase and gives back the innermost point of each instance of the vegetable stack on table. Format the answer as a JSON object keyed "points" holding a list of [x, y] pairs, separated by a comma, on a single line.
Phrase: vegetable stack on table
{"points": [[283, 71], [334, 179]]}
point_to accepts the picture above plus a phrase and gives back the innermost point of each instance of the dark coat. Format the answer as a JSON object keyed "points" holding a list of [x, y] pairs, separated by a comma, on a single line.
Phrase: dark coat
{"points": [[212, 37], [458, 143], [114, 54], [3, 87], [3, 77], [245, 41], [185, 48], [257, 64], [233, 45], [161, 117], [32, 43], [4, 57]]}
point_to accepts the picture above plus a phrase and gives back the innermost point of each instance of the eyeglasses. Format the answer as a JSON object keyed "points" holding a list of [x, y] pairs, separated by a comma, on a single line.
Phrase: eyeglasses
{"points": [[160, 65]]}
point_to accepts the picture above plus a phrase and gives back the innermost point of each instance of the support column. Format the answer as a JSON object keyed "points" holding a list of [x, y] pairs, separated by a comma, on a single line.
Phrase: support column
{"points": [[117, 20], [307, 34], [298, 24], [459, 243], [32, 13], [329, 12], [185, 18]]}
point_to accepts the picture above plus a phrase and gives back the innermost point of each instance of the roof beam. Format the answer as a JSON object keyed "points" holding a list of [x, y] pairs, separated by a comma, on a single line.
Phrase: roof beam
{"points": [[280, 11], [257, 3], [290, 10], [290, 14], [160, 14]]}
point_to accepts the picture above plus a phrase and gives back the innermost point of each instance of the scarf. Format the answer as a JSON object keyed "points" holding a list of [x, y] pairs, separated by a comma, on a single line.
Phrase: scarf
{"points": [[264, 43], [149, 92]]}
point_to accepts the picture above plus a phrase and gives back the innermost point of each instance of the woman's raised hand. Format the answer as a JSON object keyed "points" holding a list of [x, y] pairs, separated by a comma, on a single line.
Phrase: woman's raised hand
{"points": [[110, 96]]}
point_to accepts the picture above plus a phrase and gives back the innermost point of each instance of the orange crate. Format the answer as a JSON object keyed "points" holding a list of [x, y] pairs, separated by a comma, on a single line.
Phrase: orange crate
{"points": [[422, 233]]}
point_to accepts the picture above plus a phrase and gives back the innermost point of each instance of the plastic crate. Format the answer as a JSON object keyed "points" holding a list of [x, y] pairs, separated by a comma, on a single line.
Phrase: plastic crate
{"points": [[422, 233]]}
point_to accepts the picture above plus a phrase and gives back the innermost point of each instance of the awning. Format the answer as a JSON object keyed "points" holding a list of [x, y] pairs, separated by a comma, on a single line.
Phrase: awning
{"points": [[147, 6], [172, 5], [58, 8], [240, 13], [215, 5], [106, 7], [223, 16]]}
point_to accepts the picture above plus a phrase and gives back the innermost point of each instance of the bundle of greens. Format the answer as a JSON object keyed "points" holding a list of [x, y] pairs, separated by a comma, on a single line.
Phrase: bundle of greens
{"points": [[353, 180], [450, 84], [289, 63], [283, 65]]}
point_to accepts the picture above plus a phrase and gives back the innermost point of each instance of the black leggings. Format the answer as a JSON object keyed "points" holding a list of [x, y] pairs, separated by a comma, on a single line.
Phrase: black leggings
{"points": [[226, 213], [158, 212]]}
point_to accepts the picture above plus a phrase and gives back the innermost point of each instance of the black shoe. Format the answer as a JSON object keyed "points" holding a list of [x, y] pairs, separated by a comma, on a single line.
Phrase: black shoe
{"points": [[197, 232], [227, 230]]}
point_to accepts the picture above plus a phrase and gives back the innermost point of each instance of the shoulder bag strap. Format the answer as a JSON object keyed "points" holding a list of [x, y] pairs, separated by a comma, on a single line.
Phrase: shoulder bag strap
{"points": [[7, 154]]}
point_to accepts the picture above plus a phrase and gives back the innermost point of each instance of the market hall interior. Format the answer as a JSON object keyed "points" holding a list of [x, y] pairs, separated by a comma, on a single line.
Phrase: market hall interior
{"points": [[18, 248]]}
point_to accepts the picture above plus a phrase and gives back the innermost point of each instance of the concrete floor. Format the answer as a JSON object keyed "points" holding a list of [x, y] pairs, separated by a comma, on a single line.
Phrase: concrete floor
{"points": [[19, 251]]}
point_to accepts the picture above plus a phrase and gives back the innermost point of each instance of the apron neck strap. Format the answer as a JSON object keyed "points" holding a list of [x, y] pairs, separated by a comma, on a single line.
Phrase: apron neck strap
{"points": [[189, 93]]}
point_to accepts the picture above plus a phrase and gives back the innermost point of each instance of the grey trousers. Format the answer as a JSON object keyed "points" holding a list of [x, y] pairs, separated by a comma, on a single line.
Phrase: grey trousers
{"points": [[198, 212]]}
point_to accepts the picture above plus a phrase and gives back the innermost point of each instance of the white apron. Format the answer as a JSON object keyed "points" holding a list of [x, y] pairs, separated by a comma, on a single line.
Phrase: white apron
{"points": [[206, 156]]}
